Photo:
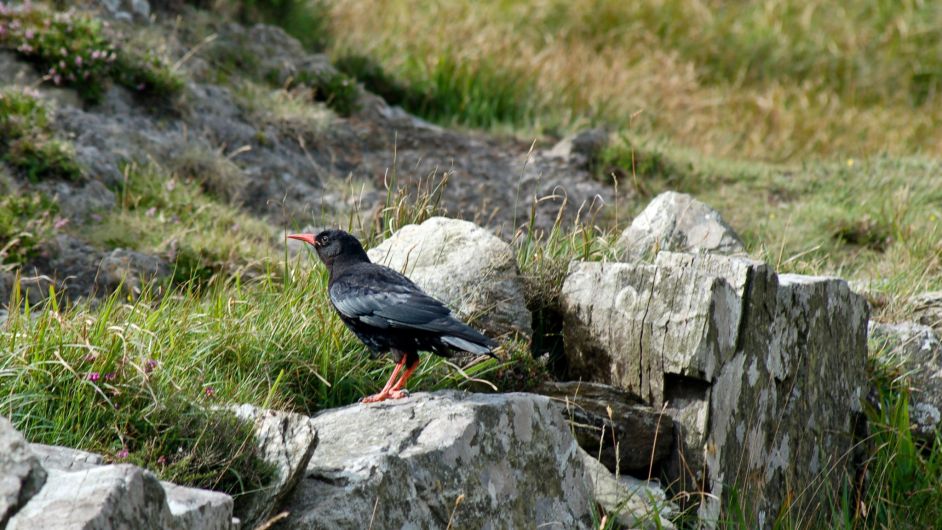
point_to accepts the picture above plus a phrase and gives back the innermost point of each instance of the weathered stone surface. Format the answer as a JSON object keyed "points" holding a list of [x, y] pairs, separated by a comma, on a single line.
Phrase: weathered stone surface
{"points": [[65, 458], [129, 268], [633, 502], [188, 508], [583, 148], [763, 373], [678, 222], [465, 266], [192, 508], [21, 476], [683, 311], [917, 349], [612, 425], [447, 459], [127, 9], [107, 497], [927, 308], [285, 440]]}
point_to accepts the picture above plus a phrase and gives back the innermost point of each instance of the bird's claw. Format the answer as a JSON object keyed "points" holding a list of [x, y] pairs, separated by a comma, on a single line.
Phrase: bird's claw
{"points": [[383, 396]]}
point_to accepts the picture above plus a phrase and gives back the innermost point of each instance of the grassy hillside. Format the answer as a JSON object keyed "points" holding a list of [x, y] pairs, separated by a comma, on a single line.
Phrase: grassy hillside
{"points": [[811, 126]]}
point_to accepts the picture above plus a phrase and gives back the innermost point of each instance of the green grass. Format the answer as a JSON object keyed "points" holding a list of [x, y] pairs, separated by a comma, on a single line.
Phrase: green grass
{"points": [[25, 221], [73, 49], [28, 141]]}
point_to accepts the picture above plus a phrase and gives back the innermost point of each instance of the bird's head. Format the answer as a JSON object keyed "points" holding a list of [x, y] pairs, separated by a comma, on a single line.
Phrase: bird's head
{"points": [[333, 245]]}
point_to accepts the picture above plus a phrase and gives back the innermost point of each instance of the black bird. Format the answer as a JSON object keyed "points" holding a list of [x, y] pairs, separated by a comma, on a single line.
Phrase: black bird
{"points": [[388, 312]]}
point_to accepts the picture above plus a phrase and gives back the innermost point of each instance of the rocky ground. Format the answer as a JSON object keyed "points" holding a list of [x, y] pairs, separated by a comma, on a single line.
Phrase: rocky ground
{"points": [[695, 376]]}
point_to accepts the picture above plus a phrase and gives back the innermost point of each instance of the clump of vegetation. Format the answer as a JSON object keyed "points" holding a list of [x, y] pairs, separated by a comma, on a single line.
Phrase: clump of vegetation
{"points": [[72, 49], [335, 89], [448, 91], [305, 20], [25, 220], [27, 142]]}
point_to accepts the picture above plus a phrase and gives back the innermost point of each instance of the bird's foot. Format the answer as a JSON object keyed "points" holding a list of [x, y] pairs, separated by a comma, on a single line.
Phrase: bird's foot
{"points": [[383, 396]]}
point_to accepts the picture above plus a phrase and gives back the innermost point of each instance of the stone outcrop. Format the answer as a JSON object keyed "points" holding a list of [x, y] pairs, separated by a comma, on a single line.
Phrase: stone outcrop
{"points": [[465, 266], [634, 503], [678, 222], [286, 441], [44, 486], [763, 372], [21, 475], [927, 309], [444, 460], [918, 352], [613, 426]]}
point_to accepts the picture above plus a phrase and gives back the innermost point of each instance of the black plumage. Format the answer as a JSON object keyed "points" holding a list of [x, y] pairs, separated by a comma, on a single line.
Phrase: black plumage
{"points": [[387, 311]]}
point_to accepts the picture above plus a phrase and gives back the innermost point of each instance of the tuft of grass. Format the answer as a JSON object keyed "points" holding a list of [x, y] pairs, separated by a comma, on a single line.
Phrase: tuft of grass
{"points": [[27, 142], [169, 215], [306, 20], [25, 221], [335, 89], [73, 49]]}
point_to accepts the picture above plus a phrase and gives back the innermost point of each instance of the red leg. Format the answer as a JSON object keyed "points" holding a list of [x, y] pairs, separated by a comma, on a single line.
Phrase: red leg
{"points": [[384, 393], [398, 391]]}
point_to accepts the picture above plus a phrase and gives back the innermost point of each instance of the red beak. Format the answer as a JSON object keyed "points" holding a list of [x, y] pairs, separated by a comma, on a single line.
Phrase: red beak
{"points": [[307, 238]]}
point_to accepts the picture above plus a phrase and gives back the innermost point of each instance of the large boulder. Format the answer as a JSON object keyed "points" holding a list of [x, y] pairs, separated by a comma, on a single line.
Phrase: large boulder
{"points": [[100, 498], [764, 373], [678, 222], [465, 266], [444, 460], [21, 475], [83, 492], [286, 441], [918, 352], [612, 424]]}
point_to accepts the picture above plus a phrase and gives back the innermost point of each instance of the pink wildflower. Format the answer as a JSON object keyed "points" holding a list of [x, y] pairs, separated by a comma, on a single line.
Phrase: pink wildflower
{"points": [[93, 376], [122, 454], [209, 391], [78, 60], [29, 34], [60, 223], [110, 376], [162, 460]]}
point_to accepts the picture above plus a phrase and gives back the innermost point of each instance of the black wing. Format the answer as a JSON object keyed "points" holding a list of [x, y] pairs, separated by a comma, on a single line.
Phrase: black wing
{"points": [[384, 299]]}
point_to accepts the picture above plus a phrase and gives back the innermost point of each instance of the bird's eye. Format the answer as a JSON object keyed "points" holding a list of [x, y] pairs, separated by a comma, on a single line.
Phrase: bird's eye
{"points": [[325, 240]]}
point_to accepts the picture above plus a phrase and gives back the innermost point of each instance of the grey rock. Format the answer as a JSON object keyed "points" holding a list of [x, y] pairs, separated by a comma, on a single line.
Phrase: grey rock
{"points": [[78, 202], [612, 425], [583, 148], [21, 475], [193, 508], [129, 268], [465, 266], [128, 10], [678, 222], [764, 373], [107, 497], [189, 508], [16, 72], [65, 458], [634, 503], [441, 460], [285, 440], [916, 349], [927, 309]]}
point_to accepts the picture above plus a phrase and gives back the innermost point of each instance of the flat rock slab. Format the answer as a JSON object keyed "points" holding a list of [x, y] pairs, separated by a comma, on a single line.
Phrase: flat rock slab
{"points": [[633, 502], [175, 507], [610, 424], [444, 460], [101, 498]]}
